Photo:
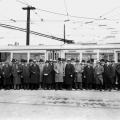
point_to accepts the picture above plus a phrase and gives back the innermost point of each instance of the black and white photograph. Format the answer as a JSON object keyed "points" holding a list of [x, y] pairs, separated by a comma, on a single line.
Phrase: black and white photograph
{"points": [[59, 59]]}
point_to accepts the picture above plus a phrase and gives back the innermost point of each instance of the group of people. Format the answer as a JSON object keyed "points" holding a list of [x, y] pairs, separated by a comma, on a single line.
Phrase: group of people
{"points": [[61, 74]]}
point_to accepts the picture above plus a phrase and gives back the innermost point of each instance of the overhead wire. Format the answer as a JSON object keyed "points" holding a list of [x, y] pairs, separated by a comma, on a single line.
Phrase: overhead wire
{"points": [[35, 33]]}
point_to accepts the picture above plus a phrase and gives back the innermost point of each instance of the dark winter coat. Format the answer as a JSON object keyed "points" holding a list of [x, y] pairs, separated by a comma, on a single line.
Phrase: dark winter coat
{"points": [[89, 74], [25, 74], [6, 73], [47, 73], [69, 74], [34, 74], [98, 71], [1, 77], [16, 72]]}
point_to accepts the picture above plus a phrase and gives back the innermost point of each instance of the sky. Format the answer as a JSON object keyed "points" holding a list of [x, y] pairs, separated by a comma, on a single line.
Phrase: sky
{"points": [[87, 20]]}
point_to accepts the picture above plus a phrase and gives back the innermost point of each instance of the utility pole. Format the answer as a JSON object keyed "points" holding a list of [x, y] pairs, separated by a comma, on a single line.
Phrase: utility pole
{"points": [[28, 8]]}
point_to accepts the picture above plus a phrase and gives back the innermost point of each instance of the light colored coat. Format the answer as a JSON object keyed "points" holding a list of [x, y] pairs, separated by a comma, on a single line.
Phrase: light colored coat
{"points": [[78, 71], [59, 72], [41, 66]]}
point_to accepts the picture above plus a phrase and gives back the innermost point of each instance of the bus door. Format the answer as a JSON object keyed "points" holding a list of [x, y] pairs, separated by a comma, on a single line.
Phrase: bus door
{"points": [[53, 54]]}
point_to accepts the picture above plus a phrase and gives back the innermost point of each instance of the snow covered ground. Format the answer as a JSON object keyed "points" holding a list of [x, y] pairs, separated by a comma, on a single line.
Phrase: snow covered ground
{"points": [[59, 105]]}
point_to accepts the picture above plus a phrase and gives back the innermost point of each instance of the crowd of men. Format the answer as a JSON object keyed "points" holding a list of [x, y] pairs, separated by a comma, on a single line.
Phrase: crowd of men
{"points": [[61, 74]]}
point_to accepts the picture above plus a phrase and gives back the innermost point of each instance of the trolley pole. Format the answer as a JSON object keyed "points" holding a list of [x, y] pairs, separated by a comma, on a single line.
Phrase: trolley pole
{"points": [[28, 23], [64, 33]]}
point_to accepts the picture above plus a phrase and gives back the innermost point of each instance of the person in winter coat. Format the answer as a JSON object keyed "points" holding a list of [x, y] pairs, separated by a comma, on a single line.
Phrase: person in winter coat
{"points": [[89, 75], [16, 72], [47, 76], [1, 77], [52, 73], [78, 75], [113, 72], [34, 75], [41, 66], [59, 72], [25, 76], [69, 74], [118, 75], [108, 74], [98, 71], [6, 73]]}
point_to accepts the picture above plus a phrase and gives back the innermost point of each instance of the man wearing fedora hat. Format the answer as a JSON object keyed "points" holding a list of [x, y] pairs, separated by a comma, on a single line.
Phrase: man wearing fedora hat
{"points": [[98, 75], [59, 72], [47, 76], [6, 73], [41, 66], [89, 75], [34, 75], [69, 74], [16, 72], [78, 75]]}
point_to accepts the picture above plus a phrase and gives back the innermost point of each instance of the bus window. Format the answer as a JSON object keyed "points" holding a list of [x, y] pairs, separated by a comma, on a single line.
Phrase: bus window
{"points": [[20, 56], [4, 56], [72, 55], [88, 56], [107, 56], [37, 56]]}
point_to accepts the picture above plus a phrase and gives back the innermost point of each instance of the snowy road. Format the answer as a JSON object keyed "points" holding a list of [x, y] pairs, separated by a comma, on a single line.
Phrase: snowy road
{"points": [[59, 105]]}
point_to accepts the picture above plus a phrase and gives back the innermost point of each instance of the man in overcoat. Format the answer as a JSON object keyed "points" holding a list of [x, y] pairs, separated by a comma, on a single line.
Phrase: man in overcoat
{"points": [[108, 74], [98, 75], [47, 76], [59, 72], [78, 75], [89, 75], [34, 75], [25, 75], [1, 77], [41, 66], [16, 72], [6, 73], [69, 74]]}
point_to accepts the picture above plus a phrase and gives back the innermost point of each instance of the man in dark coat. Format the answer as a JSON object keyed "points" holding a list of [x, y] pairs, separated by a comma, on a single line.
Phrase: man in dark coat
{"points": [[118, 75], [1, 77], [47, 76], [52, 73], [25, 75], [108, 76], [6, 73], [16, 72], [113, 74], [34, 75], [89, 75], [69, 74]]}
